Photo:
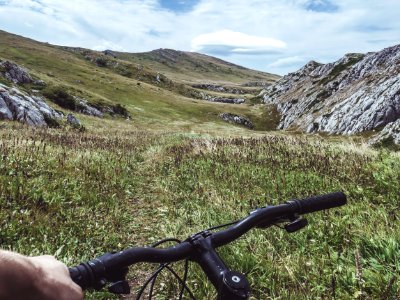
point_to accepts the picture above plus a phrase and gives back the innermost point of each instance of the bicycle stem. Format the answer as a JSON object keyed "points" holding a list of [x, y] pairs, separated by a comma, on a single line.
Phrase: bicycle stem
{"points": [[229, 284]]}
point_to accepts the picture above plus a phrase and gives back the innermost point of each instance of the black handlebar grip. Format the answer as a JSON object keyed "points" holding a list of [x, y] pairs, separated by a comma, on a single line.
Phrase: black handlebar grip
{"points": [[317, 203], [81, 275], [76, 276]]}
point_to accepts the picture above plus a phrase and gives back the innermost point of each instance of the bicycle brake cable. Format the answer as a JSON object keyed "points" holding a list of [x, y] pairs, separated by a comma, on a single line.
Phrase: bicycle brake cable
{"points": [[152, 279]]}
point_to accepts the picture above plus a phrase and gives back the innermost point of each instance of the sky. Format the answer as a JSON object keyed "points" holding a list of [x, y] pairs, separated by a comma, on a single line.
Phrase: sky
{"points": [[277, 36]]}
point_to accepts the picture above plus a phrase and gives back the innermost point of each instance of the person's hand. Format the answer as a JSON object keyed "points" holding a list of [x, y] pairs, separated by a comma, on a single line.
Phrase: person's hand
{"points": [[54, 281]]}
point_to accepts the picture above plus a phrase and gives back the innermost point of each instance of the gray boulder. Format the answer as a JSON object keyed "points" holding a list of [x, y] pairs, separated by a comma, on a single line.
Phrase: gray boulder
{"points": [[71, 119], [232, 118], [110, 53], [19, 106], [40, 83], [15, 73], [5, 113], [84, 108]]}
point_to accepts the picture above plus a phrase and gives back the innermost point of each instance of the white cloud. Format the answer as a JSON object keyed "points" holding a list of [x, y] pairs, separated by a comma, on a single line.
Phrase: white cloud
{"points": [[252, 33], [28, 24], [236, 42], [103, 45], [287, 61]]}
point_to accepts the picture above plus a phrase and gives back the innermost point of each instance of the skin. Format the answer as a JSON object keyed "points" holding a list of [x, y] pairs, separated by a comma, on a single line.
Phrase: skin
{"points": [[40, 277]]}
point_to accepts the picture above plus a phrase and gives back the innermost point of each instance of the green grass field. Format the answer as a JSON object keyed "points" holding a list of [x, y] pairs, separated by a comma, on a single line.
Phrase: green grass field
{"points": [[77, 195]]}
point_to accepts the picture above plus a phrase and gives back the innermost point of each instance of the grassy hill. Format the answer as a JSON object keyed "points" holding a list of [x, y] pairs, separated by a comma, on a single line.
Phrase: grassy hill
{"points": [[195, 67], [152, 99]]}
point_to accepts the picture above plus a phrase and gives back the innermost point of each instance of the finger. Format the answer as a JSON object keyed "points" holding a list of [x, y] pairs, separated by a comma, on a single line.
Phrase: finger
{"points": [[78, 292], [48, 257], [64, 269]]}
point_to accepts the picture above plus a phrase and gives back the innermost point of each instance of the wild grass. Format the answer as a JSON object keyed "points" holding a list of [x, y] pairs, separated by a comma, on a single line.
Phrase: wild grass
{"points": [[78, 195], [220, 180]]}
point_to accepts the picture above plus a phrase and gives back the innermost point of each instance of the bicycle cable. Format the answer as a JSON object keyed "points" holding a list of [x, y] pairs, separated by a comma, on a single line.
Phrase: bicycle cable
{"points": [[152, 279]]}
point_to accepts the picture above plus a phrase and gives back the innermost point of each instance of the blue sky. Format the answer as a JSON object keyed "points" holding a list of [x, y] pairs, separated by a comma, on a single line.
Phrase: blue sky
{"points": [[179, 6], [277, 36]]}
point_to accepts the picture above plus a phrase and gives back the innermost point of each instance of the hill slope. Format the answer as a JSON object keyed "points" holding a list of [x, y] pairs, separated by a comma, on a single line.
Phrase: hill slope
{"points": [[195, 67], [151, 98], [355, 94]]}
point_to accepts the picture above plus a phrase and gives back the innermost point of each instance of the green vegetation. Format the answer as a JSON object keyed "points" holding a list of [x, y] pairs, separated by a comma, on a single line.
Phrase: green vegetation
{"points": [[120, 110], [60, 96], [268, 119], [77, 195], [256, 100], [175, 168], [387, 143], [3, 80], [101, 61], [52, 122]]}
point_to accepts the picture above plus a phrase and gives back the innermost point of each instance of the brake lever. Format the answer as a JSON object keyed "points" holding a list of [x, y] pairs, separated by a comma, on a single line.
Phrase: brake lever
{"points": [[296, 225], [119, 285], [120, 288]]}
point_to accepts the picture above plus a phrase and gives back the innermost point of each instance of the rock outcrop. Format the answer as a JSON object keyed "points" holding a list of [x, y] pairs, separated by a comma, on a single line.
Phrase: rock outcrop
{"points": [[19, 106], [110, 53], [84, 108], [354, 94], [211, 98], [256, 84], [219, 88], [14, 73], [390, 134], [232, 118]]}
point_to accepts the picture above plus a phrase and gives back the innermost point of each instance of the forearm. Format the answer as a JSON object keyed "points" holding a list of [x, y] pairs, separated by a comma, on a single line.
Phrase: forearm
{"points": [[41, 277], [18, 276]]}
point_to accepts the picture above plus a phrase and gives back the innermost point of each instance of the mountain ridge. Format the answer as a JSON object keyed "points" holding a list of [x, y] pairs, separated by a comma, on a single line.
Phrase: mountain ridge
{"points": [[201, 67]]}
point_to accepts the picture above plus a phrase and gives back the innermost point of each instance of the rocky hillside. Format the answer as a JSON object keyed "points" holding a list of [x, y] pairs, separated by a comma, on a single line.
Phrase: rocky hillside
{"points": [[20, 106], [357, 93]]}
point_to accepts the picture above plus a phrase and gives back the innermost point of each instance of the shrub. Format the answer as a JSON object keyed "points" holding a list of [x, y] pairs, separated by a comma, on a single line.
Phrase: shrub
{"points": [[101, 61], [58, 95], [78, 127], [124, 71], [120, 110], [51, 122]]}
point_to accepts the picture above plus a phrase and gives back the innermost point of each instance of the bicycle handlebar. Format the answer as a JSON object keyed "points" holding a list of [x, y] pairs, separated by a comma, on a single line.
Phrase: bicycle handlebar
{"points": [[317, 203], [113, 266]]}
